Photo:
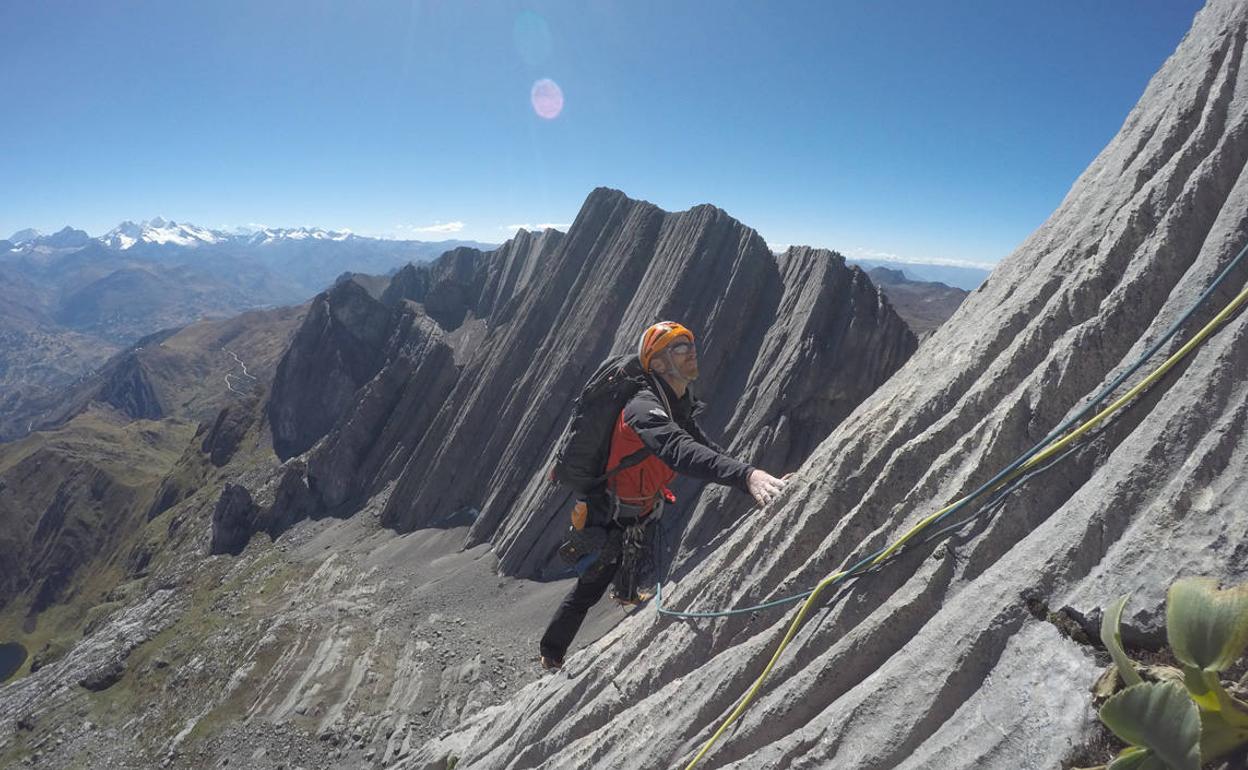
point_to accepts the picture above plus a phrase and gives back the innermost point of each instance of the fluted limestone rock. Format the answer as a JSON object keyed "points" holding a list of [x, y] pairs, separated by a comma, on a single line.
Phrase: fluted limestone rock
{"points": [[362, 453], [468, 281]]}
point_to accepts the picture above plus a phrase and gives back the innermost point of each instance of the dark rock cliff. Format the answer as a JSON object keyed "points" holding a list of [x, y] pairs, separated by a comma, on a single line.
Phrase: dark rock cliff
{"points": [[390, 417], [947, 658], [338, 348], [468, 281], [129, 389]]}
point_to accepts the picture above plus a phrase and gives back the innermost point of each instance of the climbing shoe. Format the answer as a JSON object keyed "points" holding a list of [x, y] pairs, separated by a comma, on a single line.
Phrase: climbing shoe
{"points": [[551, 664]]}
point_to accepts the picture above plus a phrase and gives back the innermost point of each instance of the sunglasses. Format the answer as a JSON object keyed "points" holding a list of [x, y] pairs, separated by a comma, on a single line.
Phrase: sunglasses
{"points": [[681, 348]]}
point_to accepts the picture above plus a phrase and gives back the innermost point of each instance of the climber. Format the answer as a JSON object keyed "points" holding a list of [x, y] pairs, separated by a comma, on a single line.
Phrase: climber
{"points": [[654, 437]]}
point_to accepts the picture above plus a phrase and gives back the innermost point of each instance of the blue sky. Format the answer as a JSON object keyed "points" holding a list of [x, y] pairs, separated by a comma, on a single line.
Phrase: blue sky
{"points": [[928, 130]]}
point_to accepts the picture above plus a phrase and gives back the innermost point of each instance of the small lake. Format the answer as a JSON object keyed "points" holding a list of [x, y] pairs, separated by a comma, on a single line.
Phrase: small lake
{"points": [[12, 656]]}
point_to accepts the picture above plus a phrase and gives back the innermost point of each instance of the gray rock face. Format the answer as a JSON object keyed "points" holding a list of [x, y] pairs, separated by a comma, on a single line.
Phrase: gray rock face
{"points": [[337, 349], [468, 280], [364, 379], [936, 661], [98, 661], [232, 520], [817, 339], [447, 289], [487, 351], [103, 677], [227, 431], [362, 453]]}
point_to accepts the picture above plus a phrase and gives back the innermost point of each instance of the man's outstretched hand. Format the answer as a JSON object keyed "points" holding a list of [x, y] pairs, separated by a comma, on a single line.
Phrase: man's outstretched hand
{"points": [[763, 486]]}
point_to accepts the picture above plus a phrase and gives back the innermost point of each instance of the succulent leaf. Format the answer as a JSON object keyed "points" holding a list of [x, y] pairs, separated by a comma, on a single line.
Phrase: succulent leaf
{"points": [[1137, 758], [1159, 717], [1207, 626], [1221, 732], [1111, 637], [1232, 710]]}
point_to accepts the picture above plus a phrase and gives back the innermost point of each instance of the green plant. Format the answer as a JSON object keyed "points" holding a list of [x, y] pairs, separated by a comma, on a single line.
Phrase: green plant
{"points": [[1178, 719]]}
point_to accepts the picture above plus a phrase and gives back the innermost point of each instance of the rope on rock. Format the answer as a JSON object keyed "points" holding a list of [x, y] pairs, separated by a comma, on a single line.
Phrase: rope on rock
{"points": [[1055, 442]]}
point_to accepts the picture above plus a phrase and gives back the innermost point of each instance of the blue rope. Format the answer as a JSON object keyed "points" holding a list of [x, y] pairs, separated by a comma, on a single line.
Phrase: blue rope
{"points": [[1009, 469]]}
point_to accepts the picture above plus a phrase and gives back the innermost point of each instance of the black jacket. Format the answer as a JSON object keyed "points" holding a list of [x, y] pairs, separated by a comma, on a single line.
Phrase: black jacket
{"points": [[678, 440]]}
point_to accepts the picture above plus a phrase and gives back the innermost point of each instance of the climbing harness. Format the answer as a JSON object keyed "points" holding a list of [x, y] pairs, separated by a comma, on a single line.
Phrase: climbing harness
{"points": [[1025, 465], [632, 563]]}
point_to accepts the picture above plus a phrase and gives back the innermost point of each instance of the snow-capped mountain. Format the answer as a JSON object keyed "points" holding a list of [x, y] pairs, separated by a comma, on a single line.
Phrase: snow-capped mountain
{"points": [[22, 236], [282, 264], [159, 231], [275, 234], [65, 238], [164, 232]]}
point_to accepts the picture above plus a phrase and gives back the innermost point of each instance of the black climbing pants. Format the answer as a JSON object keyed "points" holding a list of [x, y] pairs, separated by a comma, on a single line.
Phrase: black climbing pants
{"points": [[571, 613]]}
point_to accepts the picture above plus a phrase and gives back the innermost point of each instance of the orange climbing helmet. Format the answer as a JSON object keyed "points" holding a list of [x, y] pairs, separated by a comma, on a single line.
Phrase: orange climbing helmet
{"points": [[658, 337]]}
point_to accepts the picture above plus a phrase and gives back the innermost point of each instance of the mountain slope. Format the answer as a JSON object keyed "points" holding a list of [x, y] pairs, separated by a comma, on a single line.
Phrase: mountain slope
{"points": [[946, 658], [189, 373], [37, 357], [68, 497]]}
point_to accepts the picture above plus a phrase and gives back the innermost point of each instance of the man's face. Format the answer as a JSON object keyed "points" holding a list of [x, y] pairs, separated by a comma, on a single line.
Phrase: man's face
{"points": [[684, 358]]}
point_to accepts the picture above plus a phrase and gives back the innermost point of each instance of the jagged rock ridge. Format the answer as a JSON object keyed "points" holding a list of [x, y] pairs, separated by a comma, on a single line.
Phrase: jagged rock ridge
{"points": [[471, 378], [938, 661]]}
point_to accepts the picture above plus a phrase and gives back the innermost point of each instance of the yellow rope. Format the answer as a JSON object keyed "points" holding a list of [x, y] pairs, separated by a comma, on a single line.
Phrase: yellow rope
{"points": [[1044, 454]]}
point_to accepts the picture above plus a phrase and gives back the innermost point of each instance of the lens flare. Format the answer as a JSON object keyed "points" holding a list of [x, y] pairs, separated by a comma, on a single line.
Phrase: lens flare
{"points": [[547, 98]]}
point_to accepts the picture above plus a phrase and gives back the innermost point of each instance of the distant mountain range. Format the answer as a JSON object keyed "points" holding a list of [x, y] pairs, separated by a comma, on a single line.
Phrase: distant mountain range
{"points": [[68, 300], [966, 277], [165, 239], [923, 305]]}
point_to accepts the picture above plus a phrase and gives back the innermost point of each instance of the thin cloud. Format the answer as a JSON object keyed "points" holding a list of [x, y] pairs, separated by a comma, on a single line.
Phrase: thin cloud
{"points": [[437, 227], [531, 228]]}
